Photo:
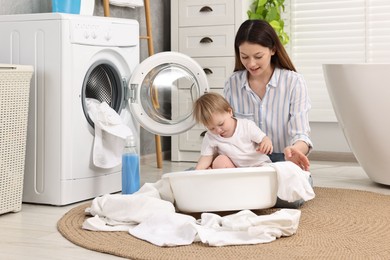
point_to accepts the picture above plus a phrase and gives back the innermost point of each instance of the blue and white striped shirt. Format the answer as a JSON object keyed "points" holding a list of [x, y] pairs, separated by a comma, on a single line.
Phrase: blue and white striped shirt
{"points": [[282, 113]]}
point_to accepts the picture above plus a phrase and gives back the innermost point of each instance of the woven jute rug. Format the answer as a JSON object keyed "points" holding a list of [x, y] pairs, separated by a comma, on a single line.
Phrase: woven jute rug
{"points": [[337, 224]]}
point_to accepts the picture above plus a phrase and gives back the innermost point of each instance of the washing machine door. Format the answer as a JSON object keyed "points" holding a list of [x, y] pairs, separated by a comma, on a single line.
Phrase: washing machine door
{"points": [[162, 90]]}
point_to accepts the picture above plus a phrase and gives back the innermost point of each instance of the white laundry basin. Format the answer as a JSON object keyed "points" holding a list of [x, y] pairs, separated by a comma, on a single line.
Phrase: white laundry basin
{"points": [[224, 189]]}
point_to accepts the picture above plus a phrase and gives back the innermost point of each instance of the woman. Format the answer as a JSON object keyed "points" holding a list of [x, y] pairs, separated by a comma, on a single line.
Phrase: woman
{"points": [[266, 88]]}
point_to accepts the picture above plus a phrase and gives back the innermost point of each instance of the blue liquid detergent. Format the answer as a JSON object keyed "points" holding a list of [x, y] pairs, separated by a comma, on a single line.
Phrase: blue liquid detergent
{"points": [[130, 173], [66, 6]]}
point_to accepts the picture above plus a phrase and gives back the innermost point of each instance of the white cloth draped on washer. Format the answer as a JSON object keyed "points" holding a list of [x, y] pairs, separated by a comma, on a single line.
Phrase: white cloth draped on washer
{"points": [[110, 134]]}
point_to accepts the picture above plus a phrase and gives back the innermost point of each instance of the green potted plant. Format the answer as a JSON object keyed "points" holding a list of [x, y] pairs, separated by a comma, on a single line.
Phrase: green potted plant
{"points": [[270, 10]]}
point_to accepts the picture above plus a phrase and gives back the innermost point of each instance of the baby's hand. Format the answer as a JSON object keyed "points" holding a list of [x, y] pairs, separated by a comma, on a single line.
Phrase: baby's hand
{"points": [[265, 146]]}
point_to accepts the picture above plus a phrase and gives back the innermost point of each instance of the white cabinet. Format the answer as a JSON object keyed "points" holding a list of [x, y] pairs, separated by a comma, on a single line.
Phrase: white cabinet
{"points": [[205, 31]]}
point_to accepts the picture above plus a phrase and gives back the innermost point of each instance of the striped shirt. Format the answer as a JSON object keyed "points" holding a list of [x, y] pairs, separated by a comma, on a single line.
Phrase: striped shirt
{"points": [[282, 113]]}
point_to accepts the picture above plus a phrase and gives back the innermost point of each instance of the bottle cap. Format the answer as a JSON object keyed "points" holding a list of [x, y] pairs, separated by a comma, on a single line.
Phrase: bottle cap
{"points": [[130, 141]]}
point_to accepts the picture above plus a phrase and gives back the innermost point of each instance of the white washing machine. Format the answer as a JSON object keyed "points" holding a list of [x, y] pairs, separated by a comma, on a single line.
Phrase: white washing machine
{"points": [[78, 57]]}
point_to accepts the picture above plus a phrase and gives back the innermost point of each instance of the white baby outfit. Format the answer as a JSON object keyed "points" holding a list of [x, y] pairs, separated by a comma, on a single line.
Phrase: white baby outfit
{"points": [[240, 147]]}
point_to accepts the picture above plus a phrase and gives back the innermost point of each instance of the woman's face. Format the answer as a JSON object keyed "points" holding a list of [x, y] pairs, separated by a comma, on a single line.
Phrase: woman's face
{"points": [[222, 124], [256, 58]]}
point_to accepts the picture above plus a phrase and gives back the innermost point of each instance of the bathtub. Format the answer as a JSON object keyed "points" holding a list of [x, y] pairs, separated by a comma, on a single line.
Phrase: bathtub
{"points": [[360, 94]]}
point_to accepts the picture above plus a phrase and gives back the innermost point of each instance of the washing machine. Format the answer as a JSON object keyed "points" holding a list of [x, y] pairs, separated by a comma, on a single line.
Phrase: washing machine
{"points": [[80, 57]]}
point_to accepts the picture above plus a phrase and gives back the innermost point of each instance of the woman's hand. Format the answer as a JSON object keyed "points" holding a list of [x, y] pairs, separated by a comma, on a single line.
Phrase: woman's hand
{"points": [[295, 155], [265, 146]]}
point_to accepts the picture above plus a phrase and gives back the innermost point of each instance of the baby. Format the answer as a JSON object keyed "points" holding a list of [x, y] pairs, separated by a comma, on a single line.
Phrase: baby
{"points": [[229, 142]]}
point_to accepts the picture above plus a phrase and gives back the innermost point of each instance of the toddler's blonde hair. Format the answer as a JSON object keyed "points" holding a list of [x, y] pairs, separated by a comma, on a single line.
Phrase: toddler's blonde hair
{"points": [[209, 104]]}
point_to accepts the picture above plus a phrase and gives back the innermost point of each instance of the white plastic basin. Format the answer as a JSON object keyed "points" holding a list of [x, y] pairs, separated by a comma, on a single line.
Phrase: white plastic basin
{"points": [[224, 189]]}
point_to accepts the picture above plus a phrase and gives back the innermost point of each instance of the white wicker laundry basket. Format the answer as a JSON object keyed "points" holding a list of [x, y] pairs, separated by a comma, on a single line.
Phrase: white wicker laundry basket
{"points": [[14, 98]]}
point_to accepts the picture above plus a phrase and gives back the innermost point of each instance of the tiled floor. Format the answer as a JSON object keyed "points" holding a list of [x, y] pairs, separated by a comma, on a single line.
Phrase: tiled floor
{"points": [[32, 234]]}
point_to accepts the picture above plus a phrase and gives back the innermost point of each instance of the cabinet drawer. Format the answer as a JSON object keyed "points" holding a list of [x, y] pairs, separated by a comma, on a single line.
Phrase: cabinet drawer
{"points": [[207, 41], [206, 12], [192, 139], [217, 69]]}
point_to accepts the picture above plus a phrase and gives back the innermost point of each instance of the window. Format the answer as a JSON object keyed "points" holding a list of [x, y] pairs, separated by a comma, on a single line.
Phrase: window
{"points": [[335, 31]]}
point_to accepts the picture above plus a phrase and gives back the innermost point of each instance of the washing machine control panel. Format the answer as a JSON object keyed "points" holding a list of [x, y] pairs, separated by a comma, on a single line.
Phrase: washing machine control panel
{"points": [[104, 33]]}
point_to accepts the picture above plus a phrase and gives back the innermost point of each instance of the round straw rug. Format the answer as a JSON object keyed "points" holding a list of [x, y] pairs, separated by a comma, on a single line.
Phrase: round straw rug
{"points": [[337, 224]]}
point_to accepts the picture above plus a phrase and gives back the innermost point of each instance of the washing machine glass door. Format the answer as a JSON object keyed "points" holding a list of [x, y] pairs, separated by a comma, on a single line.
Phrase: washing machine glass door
{"points": [[162, 90]]}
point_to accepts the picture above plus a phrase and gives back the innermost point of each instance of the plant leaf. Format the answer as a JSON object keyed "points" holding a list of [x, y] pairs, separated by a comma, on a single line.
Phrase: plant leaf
{"points": [[261, 3], [261, 10], [256, 16], [275, 25], [273, 14], [270, 11]]}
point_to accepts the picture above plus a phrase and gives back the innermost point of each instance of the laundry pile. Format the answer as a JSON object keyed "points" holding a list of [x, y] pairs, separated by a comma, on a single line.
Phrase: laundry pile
{"points": [[150, 215]]}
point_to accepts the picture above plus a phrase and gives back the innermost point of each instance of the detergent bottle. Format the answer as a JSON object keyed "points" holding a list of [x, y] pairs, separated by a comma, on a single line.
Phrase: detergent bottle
{"points": [[130, 167]]}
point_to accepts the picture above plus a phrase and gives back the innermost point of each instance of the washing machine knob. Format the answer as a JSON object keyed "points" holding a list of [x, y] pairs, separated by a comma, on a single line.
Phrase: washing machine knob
{"points": [[107, 36], [86, 35]]}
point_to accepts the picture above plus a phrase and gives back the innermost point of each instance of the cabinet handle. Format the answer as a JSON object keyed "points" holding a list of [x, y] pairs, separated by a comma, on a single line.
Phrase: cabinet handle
{"points": [[208, 71], [205, 9], [206, 40], [203, 133]]}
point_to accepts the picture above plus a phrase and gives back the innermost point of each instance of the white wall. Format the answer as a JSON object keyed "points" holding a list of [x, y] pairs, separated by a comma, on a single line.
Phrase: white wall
{"points": [[328, 137]]}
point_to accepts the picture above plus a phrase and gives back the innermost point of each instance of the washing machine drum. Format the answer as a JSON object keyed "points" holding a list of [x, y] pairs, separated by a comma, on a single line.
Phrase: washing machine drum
{"points": [[103, 83], [153, 91]]}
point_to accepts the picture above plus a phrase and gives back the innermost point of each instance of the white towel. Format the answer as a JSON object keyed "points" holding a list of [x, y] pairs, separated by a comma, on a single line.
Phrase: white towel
{"points": [[116, 211], [128, 3], [110, 134], [87, 7], [167, 229], [293, 182], [97, 223], [245, 227]]}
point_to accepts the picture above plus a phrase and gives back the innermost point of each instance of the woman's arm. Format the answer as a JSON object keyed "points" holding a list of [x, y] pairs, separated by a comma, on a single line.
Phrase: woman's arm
{"points": [[299, 127]]}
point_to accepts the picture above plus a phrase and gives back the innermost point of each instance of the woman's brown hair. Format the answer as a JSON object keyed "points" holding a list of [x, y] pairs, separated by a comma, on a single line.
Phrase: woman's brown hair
{"points": [[261, 32]]}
